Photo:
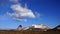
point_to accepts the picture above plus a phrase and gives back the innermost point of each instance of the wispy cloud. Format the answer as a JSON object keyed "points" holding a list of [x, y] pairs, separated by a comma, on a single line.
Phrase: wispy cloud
{"points": [[37, 14], [13, 1]]}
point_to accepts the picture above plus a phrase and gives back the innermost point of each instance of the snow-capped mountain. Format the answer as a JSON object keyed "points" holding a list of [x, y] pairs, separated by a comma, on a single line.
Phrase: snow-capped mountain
{"points": [[41, 26]]}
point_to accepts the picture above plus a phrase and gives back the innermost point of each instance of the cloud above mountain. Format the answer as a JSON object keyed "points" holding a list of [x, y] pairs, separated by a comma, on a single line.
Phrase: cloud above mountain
{"points": [[20, 13]]}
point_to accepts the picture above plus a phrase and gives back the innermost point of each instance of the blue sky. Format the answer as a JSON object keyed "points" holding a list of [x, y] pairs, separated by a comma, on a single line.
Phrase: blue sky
{"points": [[48, 10]]}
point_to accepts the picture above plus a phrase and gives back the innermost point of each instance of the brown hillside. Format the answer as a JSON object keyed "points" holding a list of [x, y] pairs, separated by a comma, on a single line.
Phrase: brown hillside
{"points": [[28, 32]]}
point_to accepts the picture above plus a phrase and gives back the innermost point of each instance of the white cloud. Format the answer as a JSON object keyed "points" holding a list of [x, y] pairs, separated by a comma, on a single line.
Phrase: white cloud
{"points": [[21, 13]]}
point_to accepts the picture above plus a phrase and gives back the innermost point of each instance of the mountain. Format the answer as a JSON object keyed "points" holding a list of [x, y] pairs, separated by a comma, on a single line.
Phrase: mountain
{"points": [[41, 26]]}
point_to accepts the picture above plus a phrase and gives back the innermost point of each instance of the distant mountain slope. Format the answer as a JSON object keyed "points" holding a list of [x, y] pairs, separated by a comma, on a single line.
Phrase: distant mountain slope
{"points": [[57, 27]]}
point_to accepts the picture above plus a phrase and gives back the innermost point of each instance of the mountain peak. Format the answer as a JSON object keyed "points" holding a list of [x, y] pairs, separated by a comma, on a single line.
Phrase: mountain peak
{"points": [[42, 26]]}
